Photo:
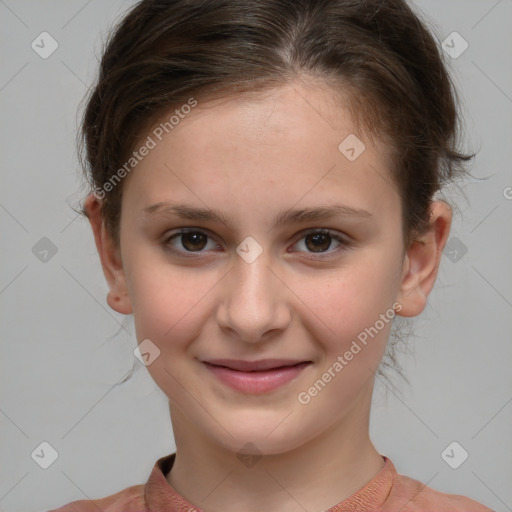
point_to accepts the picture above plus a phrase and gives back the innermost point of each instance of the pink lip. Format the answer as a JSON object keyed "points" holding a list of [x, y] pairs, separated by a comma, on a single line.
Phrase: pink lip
{"points": [[255, 377]]}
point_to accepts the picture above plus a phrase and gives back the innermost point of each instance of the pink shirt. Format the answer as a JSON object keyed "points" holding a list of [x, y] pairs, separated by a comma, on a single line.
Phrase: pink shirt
{"points": [[386, 492]]}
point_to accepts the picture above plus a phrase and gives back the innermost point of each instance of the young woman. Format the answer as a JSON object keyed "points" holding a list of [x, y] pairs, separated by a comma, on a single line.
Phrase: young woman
{"points": [[263, 203]]}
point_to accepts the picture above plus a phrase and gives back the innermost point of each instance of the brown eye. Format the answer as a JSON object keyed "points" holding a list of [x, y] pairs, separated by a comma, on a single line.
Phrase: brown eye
{"points": [[194, 241], [321, 243], [318, 242], [190, 241]]}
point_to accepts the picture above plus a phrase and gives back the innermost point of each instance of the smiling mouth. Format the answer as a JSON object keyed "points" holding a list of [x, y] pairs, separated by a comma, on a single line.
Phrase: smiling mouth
{"points": [[254, 366], [256, 377]]}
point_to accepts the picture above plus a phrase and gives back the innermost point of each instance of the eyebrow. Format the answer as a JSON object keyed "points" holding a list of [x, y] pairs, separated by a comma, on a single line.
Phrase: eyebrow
{"points": [[291, 216]]}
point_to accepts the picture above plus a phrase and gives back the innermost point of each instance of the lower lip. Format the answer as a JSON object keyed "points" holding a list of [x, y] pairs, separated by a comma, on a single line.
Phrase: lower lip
{"points": [[257, 382]]}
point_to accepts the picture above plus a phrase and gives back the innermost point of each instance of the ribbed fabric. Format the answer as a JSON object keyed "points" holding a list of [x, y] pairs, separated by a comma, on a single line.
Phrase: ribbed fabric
{"points": [[386, 492]]}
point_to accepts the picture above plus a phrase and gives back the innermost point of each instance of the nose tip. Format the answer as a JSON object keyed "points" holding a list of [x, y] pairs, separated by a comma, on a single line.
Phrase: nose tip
{"points": [[253, 303]]}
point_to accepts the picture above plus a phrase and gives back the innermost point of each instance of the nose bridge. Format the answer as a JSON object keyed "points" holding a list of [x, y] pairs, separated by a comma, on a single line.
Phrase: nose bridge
{"points": [[253, 300]]}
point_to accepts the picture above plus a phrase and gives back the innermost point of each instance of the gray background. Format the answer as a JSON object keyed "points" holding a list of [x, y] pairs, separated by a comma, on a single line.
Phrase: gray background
{"points": [[64, 350]]}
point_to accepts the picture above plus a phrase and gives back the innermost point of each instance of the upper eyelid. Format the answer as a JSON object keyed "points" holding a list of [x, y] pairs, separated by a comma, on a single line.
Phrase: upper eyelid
{"points": [[186, 229], [337, 235], [211, 234]]}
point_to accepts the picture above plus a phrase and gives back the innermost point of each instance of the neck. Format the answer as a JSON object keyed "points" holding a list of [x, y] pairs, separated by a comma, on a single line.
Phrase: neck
{"points": [[315, 476]]}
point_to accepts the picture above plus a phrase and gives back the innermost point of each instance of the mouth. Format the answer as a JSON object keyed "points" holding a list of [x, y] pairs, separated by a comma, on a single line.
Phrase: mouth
{"points": [[256, 377]]}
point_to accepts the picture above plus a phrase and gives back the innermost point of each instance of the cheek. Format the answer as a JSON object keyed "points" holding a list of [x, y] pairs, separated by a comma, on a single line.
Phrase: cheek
{"points": [[170, 303], [170, 308], [353, 304], [162, 301], [351, 320]]}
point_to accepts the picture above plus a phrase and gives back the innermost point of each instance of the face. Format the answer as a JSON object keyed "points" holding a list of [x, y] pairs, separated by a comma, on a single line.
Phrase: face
{"points": [[263, 262]]}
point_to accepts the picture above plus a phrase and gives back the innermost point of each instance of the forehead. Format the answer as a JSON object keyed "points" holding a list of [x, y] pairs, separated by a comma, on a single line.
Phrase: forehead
{"points": [[297, 142]]}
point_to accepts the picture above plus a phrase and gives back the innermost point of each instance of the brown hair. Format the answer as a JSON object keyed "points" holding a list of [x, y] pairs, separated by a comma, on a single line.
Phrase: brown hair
{"points": [[166, 51]]}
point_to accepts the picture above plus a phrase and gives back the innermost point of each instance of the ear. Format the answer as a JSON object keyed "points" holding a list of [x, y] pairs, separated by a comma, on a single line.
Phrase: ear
{"points": [[422, 260], [110, 256]]}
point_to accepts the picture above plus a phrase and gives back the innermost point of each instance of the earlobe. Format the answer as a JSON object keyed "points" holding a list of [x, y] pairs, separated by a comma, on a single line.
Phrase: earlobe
{"points": [[110, 256], [422, 261]]}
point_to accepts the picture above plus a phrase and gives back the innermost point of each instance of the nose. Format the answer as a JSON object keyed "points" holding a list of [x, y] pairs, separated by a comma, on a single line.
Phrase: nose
{"points": [[254, 305]]}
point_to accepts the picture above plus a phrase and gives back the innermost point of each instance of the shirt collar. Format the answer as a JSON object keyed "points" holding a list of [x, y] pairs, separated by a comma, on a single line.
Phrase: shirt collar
{"points": [[159, 495]]}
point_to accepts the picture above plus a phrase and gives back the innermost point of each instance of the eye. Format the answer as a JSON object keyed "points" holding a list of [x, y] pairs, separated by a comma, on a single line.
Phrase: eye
{"points": [[190, 241], [320, 242]]}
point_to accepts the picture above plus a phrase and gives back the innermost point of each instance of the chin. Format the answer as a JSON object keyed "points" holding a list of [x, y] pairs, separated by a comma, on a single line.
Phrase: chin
{"points": [[251, 434]]}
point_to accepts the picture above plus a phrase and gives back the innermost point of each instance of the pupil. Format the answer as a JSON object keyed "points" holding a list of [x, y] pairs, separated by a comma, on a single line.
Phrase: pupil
{"points": [[193, 241], [320, 241]]}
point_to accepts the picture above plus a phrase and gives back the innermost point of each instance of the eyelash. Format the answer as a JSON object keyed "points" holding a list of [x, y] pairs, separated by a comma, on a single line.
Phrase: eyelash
{"points": [[343, 243]]}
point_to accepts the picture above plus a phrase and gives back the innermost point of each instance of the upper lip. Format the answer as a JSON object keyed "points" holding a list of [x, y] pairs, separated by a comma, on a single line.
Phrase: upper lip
{"points": [[253, 366]]}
